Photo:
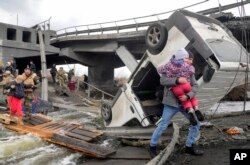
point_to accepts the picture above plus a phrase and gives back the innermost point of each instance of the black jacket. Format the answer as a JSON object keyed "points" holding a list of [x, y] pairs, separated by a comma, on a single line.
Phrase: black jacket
{"points": [[53, 71], [18, 91], [33, 68]]}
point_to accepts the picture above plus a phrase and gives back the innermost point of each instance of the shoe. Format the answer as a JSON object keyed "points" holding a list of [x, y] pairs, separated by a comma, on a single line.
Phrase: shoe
{"points": [[152, 151], [20, 121], [199, 115], [192, 119], [194, 151]]}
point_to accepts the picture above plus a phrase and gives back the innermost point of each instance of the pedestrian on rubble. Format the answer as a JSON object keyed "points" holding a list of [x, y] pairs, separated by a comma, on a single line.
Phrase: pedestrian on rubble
{"points": [[71, 74], [86, 80], [30, 80], [61, 76], [15, 96], [72, 84], [180, 65], [53, 72], [32, 67], [171, 107]]}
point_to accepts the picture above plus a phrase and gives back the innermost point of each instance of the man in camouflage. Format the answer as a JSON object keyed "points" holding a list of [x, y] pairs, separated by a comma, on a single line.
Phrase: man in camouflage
{"points": [[7, 78], [61, 76], [30, 79]]}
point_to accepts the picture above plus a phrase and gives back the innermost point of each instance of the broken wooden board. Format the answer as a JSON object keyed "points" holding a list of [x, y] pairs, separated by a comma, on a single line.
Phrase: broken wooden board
{"points": [[72, 136]]}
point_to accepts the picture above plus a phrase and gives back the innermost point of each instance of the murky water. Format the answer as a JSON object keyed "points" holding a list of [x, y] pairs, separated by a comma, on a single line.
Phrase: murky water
{"points": [[16, 149], [29, 150]]}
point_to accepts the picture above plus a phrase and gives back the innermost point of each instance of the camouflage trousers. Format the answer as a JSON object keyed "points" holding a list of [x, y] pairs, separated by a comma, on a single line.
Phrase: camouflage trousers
{"points": [[29, 96], [61, 82]]}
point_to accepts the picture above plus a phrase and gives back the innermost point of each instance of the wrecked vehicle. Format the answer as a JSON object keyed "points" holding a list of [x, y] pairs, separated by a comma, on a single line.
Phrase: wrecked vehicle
{"points": [[218, 59]]}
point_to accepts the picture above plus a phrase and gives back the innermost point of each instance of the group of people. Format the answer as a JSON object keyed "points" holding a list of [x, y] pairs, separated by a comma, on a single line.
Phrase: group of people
{"points": [[60, 75], [18, 90], [180, 88]]}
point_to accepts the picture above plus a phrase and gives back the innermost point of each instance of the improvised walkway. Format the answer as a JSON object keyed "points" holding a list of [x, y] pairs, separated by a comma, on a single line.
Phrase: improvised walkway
{"points": [[71, 136]]}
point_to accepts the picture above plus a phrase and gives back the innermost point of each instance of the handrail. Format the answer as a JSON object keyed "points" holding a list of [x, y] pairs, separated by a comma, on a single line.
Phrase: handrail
{"points": [[92, 86], [43, 24], [115, 26]]}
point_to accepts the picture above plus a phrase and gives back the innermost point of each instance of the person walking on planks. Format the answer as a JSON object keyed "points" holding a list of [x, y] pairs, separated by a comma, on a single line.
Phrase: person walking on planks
{"points": [[172, 105], [15, 98], [31, 80]]}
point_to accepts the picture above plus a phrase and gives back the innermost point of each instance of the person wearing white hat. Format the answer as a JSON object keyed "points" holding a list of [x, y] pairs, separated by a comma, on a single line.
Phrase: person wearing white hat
{"points": [[179, 96]]}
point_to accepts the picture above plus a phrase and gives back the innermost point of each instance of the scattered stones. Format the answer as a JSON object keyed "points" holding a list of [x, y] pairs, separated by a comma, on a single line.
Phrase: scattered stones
{"points": [[207, 124], [248, 137], [239, 137]]}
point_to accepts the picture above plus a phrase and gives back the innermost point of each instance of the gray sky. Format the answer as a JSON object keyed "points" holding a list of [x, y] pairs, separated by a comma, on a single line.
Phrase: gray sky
{"points": [[66, 13]]}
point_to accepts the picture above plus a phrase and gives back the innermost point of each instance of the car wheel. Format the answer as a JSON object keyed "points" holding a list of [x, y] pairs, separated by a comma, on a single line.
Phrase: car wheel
{"points": [[156, 38], [106, 111]]}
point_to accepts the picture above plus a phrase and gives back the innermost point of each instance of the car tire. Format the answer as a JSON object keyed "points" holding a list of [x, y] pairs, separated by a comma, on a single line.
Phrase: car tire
{"points": [[156, 38], [106, 111]]}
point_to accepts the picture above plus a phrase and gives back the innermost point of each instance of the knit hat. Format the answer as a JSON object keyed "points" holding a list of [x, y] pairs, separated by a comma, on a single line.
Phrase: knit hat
{"points": [[181, 54]]}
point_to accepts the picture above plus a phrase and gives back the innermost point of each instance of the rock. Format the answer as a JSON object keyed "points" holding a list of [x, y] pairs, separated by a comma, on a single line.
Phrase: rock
{"points": [[239, 137], [248, 137], [206, 124]]}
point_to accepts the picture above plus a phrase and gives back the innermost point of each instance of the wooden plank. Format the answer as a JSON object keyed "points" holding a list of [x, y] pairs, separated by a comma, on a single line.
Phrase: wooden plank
{"points": [[70, 128], [51, 126], [85, 132], [48, 125], [59, 128], [36, 120], [44, 124], [88, 149], [31, 122], [77, 136], [31, 129], [77, 143], [41, 118], [55, 127]]}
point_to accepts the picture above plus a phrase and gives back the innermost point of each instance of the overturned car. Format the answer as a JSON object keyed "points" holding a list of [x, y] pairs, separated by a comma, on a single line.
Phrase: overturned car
{"points": [[217, 59]]}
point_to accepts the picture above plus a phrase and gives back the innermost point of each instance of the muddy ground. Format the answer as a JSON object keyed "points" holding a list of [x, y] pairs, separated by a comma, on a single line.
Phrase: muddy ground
{"points": [[215, 142]]}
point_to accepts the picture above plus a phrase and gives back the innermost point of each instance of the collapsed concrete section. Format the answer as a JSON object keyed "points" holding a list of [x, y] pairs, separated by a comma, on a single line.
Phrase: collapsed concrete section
{"points": [[22, 44]]}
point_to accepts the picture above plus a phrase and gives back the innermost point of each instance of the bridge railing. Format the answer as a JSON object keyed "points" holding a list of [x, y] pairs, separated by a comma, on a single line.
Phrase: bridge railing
{"points": [[106, 28], [120, 26], [92, 87]]}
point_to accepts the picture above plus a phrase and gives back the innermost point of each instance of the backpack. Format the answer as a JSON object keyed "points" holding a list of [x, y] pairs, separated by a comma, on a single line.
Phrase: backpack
{"points": [[19, 91]]}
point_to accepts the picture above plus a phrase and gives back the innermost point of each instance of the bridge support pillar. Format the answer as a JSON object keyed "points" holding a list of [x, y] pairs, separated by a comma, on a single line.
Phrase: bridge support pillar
{"points": [[102, 77]]}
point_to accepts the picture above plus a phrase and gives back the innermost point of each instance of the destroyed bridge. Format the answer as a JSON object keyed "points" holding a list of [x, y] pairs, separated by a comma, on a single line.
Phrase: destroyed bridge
{"points": [[102, 47]]}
